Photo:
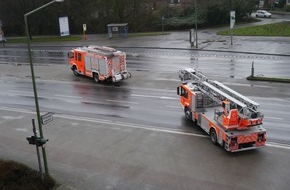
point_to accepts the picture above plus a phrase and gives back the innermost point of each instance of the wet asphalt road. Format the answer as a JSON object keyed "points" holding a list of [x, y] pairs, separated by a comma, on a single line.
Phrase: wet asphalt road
{"points": [[134, 135], [154, 83], [136, 138]]}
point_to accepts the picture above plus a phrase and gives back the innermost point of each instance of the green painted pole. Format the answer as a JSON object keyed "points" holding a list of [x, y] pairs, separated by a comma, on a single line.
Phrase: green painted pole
{"points": [[196, 43], [33, 80]]}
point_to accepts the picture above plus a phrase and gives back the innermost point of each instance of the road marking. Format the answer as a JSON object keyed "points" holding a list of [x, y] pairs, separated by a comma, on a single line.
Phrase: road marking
{"points": [[17, 110], [21, 129], [277, 118], [132, 125], [144, 96], [175, 107], [168, 98], [23, 92], [117, 101], [66, 96], [278, 145], [166, 79], [158, 97], [113, 123]]}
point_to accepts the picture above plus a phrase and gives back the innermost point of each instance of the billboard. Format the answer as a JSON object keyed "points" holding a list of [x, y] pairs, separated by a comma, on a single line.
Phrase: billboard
{"points": [[63, 26]]}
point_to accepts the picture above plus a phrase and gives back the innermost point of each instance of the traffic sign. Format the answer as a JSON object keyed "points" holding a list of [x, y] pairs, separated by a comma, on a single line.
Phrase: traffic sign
{"points": [[46, 118], [232, 19]]}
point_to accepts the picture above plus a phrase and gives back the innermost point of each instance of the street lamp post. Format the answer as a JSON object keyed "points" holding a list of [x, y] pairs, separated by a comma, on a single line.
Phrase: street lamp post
{"points": [[196, 44], [33, 79]]}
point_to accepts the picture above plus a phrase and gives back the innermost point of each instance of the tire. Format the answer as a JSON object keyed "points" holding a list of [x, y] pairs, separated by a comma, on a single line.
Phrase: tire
{"points": [[96, 77], [213, 136], [75, 72], [188, 114]]}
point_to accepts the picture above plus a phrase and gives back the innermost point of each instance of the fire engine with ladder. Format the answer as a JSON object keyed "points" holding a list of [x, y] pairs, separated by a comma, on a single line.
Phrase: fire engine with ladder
{"points": [[231, 119], [99, 62]]}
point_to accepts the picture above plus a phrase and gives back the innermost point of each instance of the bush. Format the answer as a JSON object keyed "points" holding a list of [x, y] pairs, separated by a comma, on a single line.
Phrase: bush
{"points": [[287, 8], [17, 176]]}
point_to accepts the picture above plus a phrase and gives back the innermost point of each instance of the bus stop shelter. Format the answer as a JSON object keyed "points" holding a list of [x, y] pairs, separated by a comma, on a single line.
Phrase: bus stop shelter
{"points": [[119, 29]]}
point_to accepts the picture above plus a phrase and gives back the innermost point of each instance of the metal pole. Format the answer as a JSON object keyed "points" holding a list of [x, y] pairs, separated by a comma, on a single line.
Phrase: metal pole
{"points": [[162, 23], [253, 69], [33, 81], [196, 43], [232, 32], [37, 149]]}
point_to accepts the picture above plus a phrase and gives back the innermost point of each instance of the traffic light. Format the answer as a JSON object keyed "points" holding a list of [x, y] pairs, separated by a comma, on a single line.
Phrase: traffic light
{"points": [[41, 141], [31, 140], [36, 140]]}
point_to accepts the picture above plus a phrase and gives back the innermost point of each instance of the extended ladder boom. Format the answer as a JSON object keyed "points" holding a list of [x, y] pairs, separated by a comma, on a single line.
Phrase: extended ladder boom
{"points": [[219, 92]]}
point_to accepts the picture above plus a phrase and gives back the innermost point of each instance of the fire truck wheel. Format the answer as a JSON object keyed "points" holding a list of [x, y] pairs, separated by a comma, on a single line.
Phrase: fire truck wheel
{"points": [[74, 69], [188, 114], [213, 136], [96, 77]]}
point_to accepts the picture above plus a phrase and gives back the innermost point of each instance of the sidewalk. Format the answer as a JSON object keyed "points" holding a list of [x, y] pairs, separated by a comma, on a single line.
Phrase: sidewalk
{"points": [[207, 40]]}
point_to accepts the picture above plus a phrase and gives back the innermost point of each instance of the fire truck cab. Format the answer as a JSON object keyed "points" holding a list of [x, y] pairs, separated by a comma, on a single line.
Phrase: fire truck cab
{"points": [[99, 62]]}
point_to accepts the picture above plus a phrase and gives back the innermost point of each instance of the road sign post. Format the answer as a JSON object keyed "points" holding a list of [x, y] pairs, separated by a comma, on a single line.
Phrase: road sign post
{"points": [[84, 32], [232, 23], [191, 37]]}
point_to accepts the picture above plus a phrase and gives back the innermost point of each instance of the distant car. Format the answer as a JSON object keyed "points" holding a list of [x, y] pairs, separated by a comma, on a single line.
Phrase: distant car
{"points": [[263, 14]]}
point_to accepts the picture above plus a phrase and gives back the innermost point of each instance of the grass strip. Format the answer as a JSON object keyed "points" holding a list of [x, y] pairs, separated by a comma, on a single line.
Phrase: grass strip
{"points": [[141, 34], [276, 29], [74, 37], [45, 39]]}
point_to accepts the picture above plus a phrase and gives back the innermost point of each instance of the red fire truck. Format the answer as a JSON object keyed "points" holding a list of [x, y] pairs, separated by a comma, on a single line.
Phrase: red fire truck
{"points": [[231, 119], [99, 62]]}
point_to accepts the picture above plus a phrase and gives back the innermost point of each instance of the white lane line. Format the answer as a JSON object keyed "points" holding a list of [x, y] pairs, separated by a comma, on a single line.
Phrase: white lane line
{"points": [[66, 96], [158, 97], [175, 107], [278, 145], [132, 125], [144, 96], [113, 123], [17, 110], [21, 92], [276, 118], [125, 102], [168, 98], [166, 79]]}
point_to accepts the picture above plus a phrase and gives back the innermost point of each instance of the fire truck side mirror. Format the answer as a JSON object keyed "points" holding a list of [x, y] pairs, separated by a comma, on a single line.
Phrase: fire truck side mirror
{"points": [[70, 55], [179, 90]]}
